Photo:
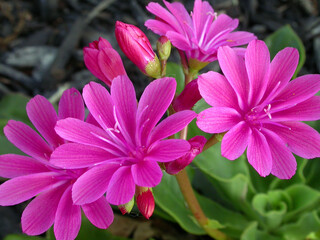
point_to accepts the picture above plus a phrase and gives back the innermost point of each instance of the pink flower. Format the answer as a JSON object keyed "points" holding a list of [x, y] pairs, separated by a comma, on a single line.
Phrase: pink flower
{"points": [[199, 35], [127, 151], [103, 61], [261, 108], [36, 176], [145, 201], [136, 46]]}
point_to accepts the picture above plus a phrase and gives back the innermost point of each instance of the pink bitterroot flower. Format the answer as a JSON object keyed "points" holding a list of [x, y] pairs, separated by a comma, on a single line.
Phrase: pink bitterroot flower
{"points": [[199, 35], [36, 176], [103, 61], [261, 108], [126, 151]]}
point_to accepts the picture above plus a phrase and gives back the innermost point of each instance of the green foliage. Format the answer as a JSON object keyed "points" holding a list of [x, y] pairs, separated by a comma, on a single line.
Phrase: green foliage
{"points": [[175, 70]]}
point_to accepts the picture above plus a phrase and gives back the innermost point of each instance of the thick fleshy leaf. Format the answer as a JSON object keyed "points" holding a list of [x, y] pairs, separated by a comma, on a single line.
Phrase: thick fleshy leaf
{"points": [[74, 130], [68, 218], [91, 185], [99, 213], [233, 67], [298, 90], [121, 186], [281, 70], [27, 140], [150, 108], [146, 173], [110, 64], [125, 101], [218, 119], [22, 188], [12, 165], [259, 155], [43, 116], [216, 90], [235, 141], [171, 125], [71, 105], [301, 139], [308, 110], [284, 164], [257, 59], [74, 155], [168, 150], [99, 103], [40, 213]]}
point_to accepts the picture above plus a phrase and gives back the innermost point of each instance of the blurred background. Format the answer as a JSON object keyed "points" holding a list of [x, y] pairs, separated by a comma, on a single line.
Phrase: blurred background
{"points": [[41, 45]]}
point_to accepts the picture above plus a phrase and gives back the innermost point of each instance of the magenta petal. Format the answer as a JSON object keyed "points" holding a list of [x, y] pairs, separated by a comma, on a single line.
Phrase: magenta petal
{"points": [[233, 67], [43, 116], [146, 173], [74, 155], [27, 140], [99, 213], [308, 110], [235, 141], [168, 150], [91, 185], [74, 130], [71, 105], [12, 165], [282, 69], [178, 40], [301, 139], [284, 164], [158, 27], [218, 119], [239, 38], [180, 13], [68, 218], [90, 57], [150, 109], [221, 23], [188, 97], [110, 64], [171, 125], [298, 90], [121, 187], [40, 213], [216, 90], [125, 101], [259, 155], [99, 103], [20, 189], [257, 59]]}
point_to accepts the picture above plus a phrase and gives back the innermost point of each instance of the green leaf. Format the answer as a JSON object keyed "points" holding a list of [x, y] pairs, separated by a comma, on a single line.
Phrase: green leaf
{"points": [[286, 37], [175, 70], [253, 233], [21, 237]]}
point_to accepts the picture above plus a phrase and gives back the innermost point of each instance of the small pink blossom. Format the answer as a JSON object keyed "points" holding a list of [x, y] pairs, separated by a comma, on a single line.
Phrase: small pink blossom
{"points": [[36, 176], [199, 35], [126, 150], [261, 108], [103, 61], [136, 46]]}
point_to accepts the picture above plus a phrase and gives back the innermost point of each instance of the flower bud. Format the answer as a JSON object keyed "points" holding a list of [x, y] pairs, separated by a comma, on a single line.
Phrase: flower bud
{"points": [[145, 201], [126, 208], [164, 48], [176, 166], [136, 46], [103, 61]]}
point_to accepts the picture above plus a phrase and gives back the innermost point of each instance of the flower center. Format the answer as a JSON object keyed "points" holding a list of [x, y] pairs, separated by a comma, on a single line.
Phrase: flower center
{"points": [[257, 114]]}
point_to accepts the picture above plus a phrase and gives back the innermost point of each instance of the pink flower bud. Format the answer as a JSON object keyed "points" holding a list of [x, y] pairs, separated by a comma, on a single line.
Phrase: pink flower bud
{"points": [[103, 61], [164, 48], [188, 97], [145, 201], [176, 166], [136, 46], [126, 208]]}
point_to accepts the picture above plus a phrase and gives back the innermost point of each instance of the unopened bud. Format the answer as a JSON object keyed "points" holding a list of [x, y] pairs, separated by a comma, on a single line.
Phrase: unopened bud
{"points": [[164, 48], [126, 208], [136, 46], [145, 201]]}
